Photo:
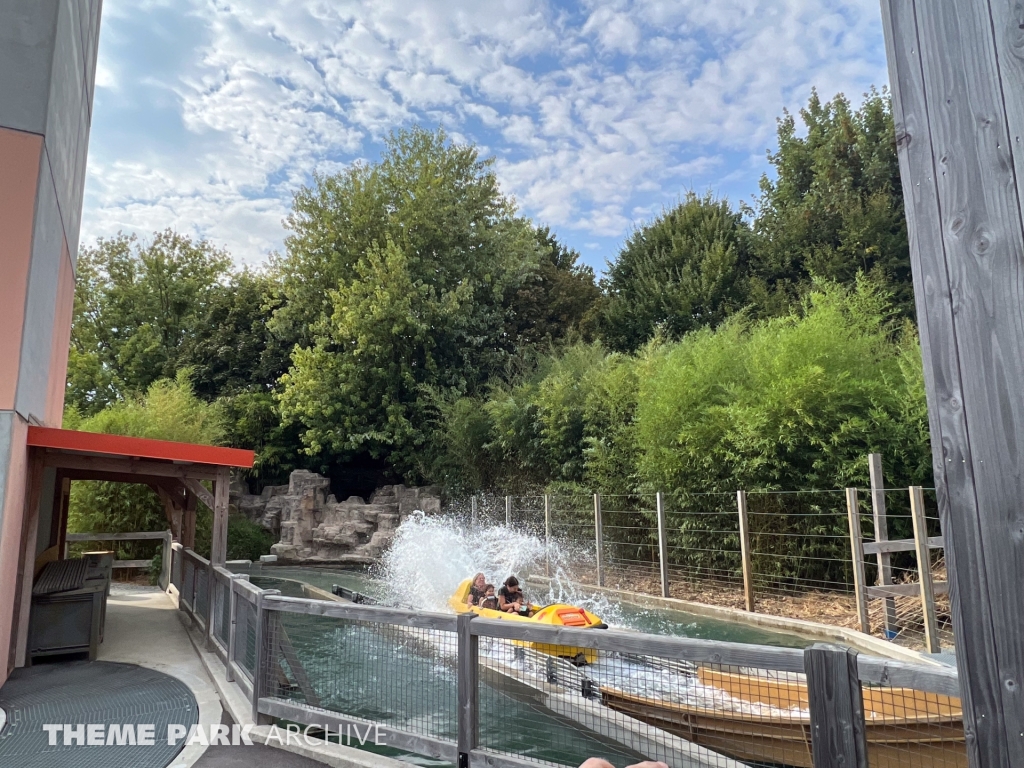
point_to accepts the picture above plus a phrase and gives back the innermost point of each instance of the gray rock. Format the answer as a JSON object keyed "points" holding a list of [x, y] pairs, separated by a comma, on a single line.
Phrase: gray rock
{"points": [[312, 526]]}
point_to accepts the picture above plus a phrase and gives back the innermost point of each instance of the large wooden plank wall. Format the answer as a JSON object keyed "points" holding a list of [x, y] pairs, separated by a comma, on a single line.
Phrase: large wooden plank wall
{"points": [[957, 72]]}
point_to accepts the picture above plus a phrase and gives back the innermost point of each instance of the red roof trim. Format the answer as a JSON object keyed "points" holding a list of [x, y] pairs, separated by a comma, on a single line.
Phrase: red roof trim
{"points": [[138, 447]]}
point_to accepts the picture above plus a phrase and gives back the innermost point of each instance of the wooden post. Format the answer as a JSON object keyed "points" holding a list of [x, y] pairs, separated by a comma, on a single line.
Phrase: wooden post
{"points": [[958, 106], [262, 668], [924, 569], [188, 521], [547, 535], [219, 545], [836, 705], [878, 512], [165, 562], [662, 543], [508, 511], [599, 539], [467, 685], [748, 566], [857, 557]]}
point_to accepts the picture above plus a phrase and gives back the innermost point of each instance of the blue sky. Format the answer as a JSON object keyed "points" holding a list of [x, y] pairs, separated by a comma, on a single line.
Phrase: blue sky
{"points": [[209, 114]]}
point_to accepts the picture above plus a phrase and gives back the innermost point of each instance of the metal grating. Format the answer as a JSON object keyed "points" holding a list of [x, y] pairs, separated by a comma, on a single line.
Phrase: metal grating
{"points": [[91, 692]]}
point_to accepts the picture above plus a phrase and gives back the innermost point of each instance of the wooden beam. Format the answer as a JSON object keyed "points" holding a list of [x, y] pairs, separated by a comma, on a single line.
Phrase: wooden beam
{"points": [[188, 521], [219, 543], [26, 562], [878, 514], [200, 491], [857, 557], [911, 589], [958, 106], [836, 704], [127, 467], [745, 556], [924, 570], [900, 545]]}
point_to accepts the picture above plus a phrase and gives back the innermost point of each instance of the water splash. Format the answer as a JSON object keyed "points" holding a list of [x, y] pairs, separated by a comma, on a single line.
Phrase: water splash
{"points": [[430, 556]]}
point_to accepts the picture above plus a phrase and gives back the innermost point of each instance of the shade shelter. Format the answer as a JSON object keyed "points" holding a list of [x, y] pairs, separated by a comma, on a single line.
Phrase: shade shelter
{"points": [[177, 472]]}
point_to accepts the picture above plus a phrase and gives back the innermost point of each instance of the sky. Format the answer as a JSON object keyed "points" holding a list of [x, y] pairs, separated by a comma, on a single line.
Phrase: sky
{"points": [[210, 114]]}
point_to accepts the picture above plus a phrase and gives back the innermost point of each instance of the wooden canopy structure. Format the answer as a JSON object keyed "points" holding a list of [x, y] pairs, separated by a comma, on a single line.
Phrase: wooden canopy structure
{"points": [[175, 471]]}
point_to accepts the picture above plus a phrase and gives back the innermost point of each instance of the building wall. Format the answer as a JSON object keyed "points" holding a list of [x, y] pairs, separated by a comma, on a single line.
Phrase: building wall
{"points": [[47, 74]]}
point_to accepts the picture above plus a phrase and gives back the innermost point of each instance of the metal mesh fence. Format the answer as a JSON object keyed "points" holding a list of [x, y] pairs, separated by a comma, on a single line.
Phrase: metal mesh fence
{"points": [[400, 677], [908, 728], [244, 652], [222, 607], [188, 581]]}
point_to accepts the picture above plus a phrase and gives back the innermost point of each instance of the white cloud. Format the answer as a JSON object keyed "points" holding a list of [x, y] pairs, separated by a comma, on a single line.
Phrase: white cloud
{"points": [[595, 116]]}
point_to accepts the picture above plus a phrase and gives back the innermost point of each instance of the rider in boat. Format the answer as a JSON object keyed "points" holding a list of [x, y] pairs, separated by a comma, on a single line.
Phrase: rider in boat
{"points": [[511, 598], [489, 600], [476, 589]]}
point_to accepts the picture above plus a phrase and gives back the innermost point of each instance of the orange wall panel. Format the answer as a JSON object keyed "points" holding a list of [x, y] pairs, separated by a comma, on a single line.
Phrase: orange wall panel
{"points": [[19, 176], [65, 307]]}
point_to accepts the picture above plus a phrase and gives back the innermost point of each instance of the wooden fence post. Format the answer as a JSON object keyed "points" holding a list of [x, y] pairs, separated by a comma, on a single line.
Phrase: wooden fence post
{"points": [[599, 539], [857, 556], [878, 512], [662, 543], [263, 662], [467, 684], [836, 706], [748, 567], [924, 569], [547, 535], [508, 511], [165, 562]]}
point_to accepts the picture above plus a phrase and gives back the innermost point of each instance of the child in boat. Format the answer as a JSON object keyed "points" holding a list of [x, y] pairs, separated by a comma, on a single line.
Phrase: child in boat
{"points": [[489, 600], [476, 589]]}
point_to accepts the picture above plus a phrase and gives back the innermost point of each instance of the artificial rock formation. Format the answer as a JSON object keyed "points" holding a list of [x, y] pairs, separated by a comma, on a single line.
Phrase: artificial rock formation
{"points": [[314, 527]]}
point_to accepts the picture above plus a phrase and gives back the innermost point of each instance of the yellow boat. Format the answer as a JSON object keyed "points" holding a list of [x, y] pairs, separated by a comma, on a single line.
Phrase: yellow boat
{"points": [[558, 614]]}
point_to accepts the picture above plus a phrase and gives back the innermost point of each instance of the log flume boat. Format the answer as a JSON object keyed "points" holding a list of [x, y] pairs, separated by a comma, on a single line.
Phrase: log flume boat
{"points": [[905, 728]]}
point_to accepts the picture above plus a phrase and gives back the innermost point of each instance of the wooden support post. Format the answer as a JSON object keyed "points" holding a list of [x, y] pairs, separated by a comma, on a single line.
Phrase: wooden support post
{"points": [[188, 521], [857, 558], [662, 543], [748, 566], [878, 512], [219, 545], [468, 687], [599, 539], [836, 705], [958, 106], [547, 535], [508, 511], [924, 569], [165, 562]]}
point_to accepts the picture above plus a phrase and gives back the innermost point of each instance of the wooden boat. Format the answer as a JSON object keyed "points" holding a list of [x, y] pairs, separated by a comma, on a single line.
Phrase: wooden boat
{"points": [[905, 728], [557, 614]]}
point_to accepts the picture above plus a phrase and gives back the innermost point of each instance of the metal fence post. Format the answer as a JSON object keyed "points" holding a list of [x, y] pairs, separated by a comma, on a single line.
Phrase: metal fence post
{"points": [[599, 539], [508, 511], [261, 666], [748, 567], [468, 719], [662, 544], [229, 664], [878, 512], [857, 555], [924, 569], [547, 535], [836, 706]]}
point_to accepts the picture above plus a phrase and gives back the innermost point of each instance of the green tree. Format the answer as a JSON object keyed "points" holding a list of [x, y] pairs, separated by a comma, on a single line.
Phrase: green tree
{"points": [[136, 306], [685, 270], [834, 207], [418, 257]]}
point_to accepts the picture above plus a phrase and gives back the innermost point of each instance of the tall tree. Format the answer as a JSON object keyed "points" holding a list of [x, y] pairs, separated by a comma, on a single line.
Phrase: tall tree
{"points": [[685, 270], [418, 257], [835, 206], [137, 305]]}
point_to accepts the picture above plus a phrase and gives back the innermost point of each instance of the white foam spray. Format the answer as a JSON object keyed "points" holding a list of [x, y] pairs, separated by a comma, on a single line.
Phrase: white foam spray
{"points": [[430, 556]]}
